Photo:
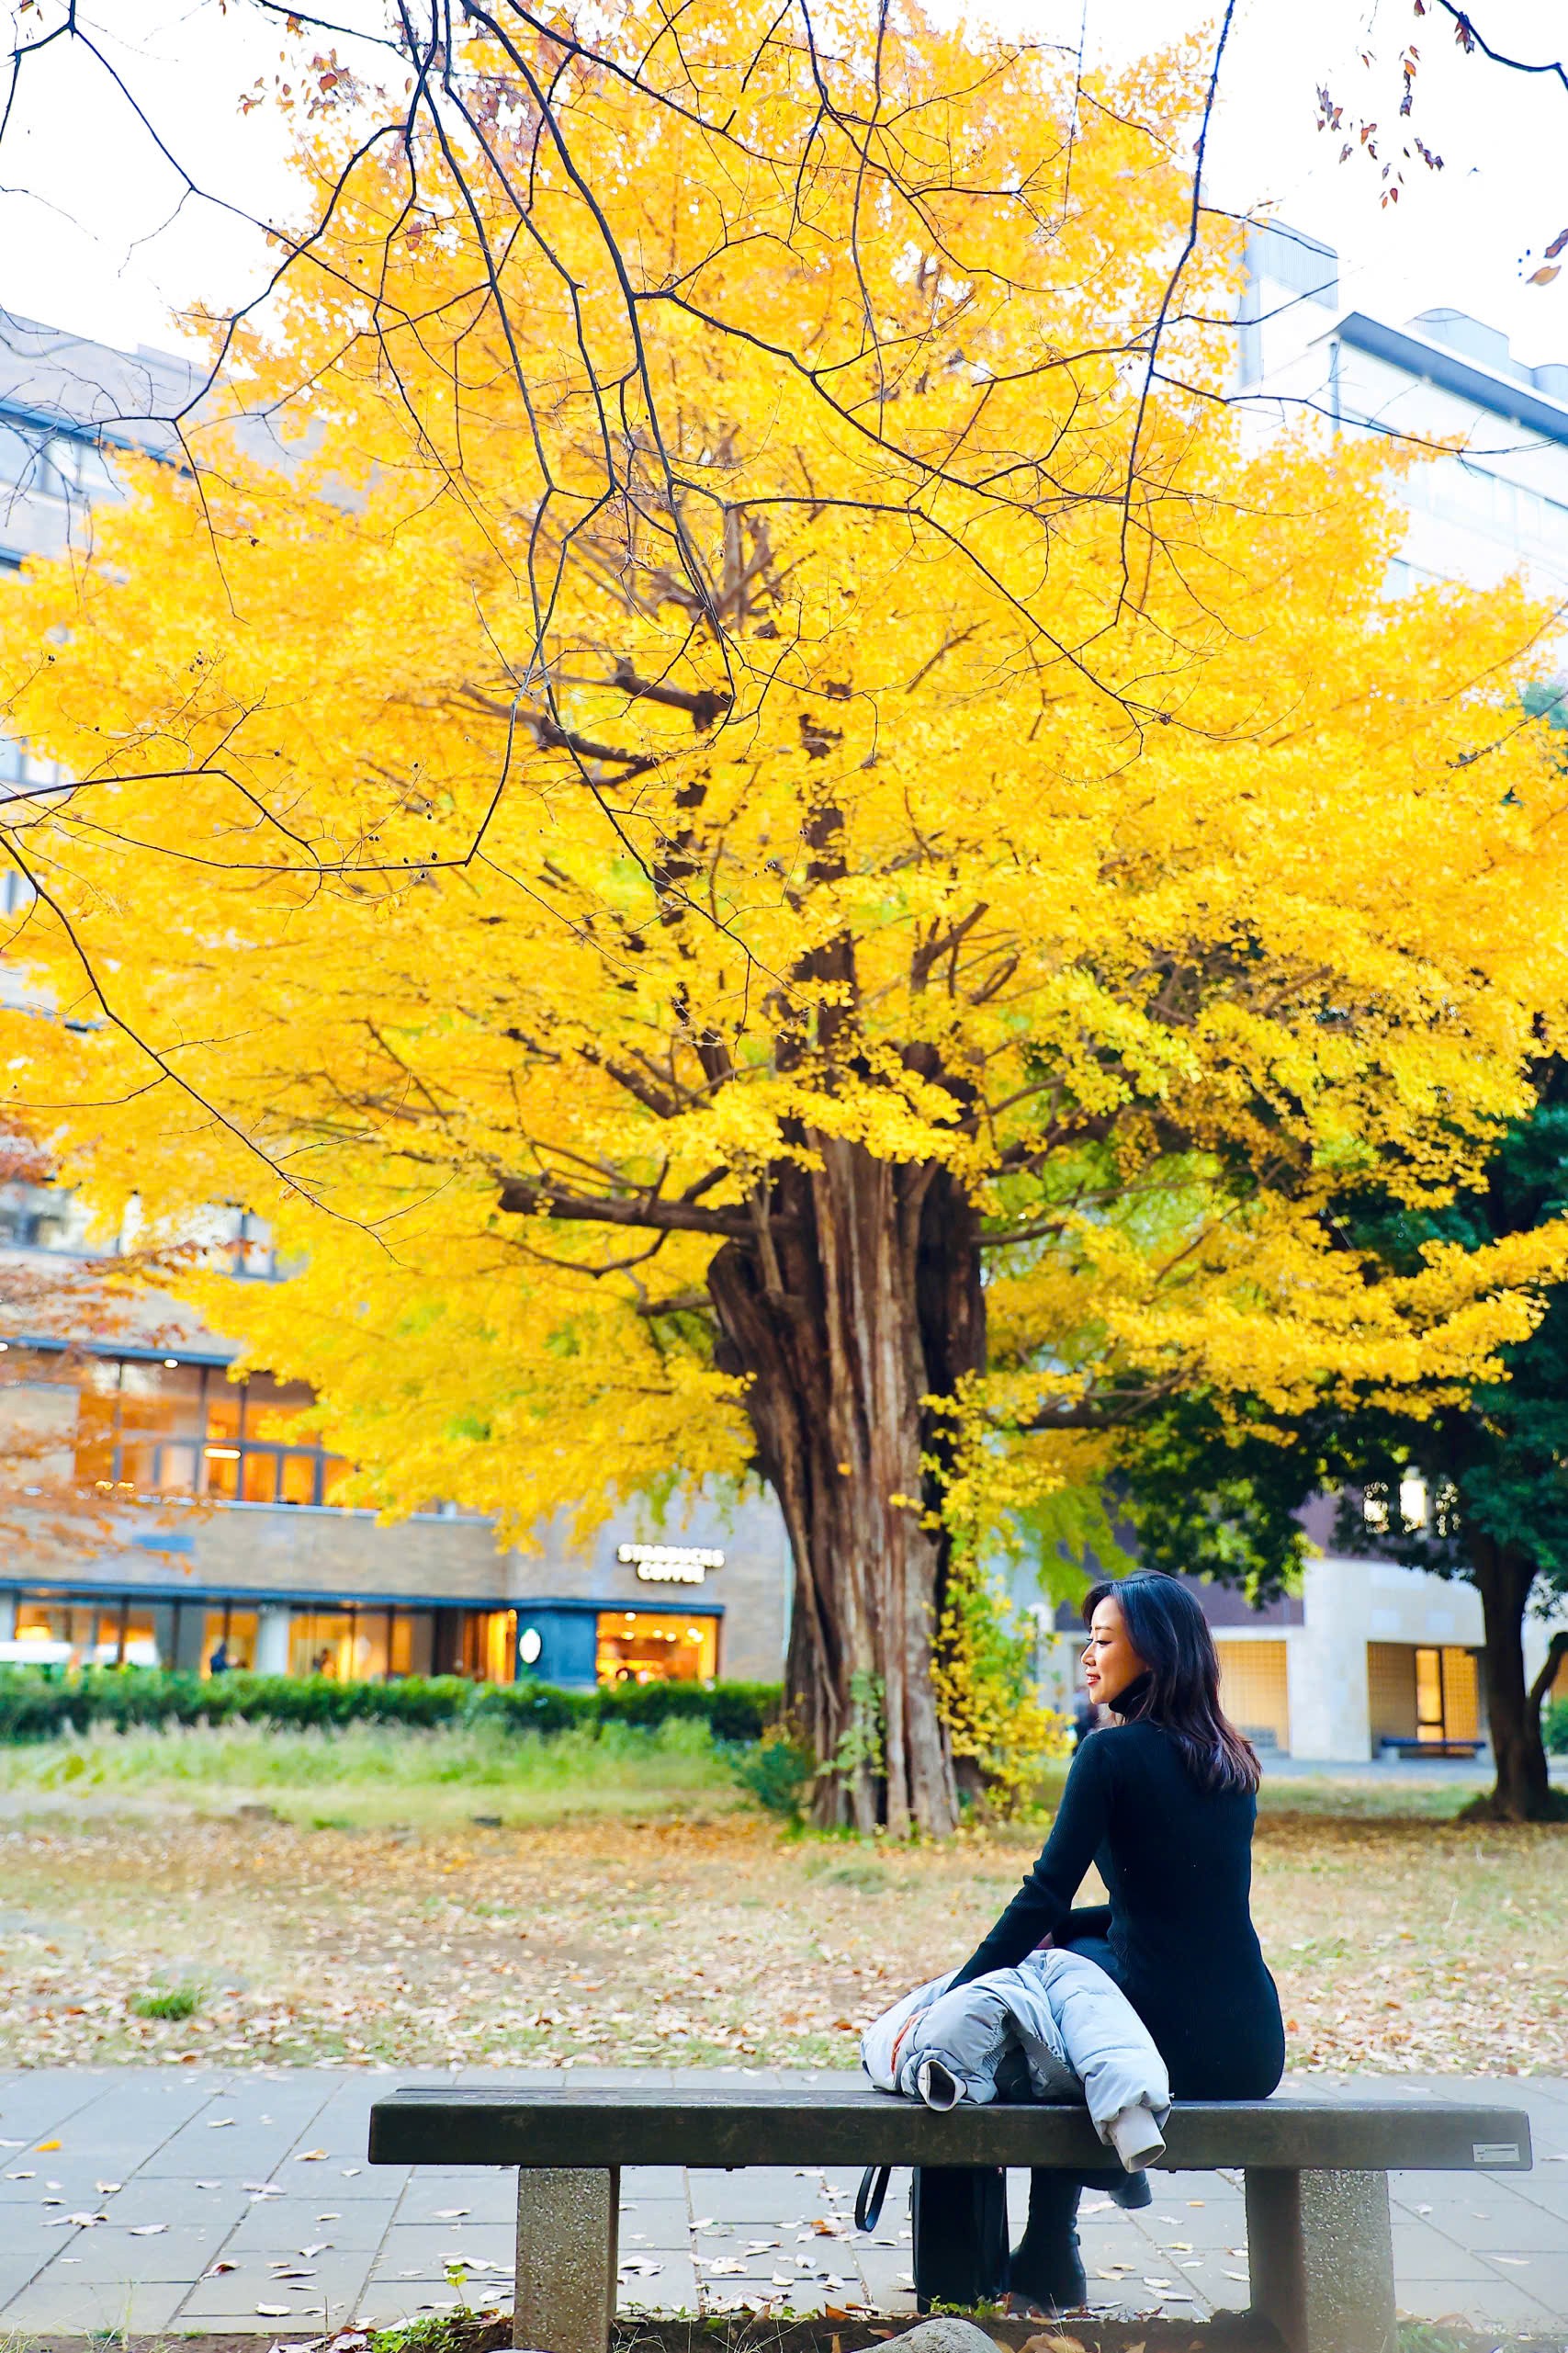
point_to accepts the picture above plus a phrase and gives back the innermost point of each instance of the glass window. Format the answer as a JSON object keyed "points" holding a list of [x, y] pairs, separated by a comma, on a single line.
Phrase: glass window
{"points": [[96, 1403], [225, 1404], [19, 455], [258, 1476], [177, 1470], [229, 1639], [321, 1642], [160, 1400], [413, 1642], [296, 1478], [138, 1465], [139, 1626], [272, 1409], [220, 1472], [372, 1645], [1429, 1694], [646, 1647], [335, 1470]]}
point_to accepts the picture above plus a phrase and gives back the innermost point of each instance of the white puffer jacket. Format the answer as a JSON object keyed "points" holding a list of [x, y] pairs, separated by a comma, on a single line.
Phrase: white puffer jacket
{"points": [[1056, 2028]]}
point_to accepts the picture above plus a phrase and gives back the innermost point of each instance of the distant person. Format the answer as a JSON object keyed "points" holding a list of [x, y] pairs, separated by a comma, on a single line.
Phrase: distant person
{"points": [[323, 1663], [1083, 1718], [219, 1662]]}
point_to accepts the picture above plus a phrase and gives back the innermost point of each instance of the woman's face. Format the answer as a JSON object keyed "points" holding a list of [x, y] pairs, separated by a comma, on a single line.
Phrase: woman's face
{"points": [[1110, 1661]]}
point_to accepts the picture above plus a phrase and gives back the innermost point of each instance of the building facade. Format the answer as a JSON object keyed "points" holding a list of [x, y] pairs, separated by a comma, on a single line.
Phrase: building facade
{"points": [[225, 1546]]}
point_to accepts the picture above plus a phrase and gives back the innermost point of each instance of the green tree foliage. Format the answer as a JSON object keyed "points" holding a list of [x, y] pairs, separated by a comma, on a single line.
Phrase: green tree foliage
{"points": [[1216, 1490]]}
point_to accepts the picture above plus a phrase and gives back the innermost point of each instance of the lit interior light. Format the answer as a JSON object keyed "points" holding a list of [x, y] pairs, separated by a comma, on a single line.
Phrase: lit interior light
{"points": [[221, 1453], [171, 1363], [5, 1347]]}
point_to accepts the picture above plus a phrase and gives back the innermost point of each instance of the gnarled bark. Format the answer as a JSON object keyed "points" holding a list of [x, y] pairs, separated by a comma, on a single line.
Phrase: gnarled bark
{"points": [[858, 1301]]}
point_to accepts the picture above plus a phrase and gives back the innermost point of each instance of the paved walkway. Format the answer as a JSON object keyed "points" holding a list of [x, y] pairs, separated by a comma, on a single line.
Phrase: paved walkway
{"points": [[145, 2199]]}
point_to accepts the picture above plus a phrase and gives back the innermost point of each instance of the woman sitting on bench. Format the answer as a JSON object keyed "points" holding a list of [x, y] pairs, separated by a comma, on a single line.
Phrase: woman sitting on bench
{"points": [[1163, 1801]]}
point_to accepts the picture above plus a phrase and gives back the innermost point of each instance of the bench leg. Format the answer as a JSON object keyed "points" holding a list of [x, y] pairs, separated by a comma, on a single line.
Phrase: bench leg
{"points": [[1320, 2252], [568, 2226]]}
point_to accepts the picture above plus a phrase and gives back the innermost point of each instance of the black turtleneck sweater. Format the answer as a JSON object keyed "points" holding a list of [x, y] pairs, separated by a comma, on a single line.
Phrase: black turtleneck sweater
{"points": [[1178, 1937]]}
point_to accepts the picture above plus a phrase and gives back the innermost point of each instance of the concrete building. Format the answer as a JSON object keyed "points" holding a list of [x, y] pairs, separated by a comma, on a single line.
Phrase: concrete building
{"points": [[1496, 504]]}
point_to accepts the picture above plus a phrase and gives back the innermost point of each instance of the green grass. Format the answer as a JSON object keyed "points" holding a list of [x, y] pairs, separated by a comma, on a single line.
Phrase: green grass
{"points": [[370, 1777], [175, 2002]]}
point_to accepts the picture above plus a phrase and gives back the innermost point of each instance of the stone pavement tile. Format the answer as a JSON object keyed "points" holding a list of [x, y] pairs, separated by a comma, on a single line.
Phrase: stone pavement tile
{"points": [[1493, 2304], [1540, 2274], [667, 2220], [18, 2268], [1219, 2279], [1420, 2252], [483, 2197], [109, 2253], [361, 2181], [663, 2181], [284, 2225], [889, 2272], [234, 2295], [424, 2248], [1510, 2223], [256, 2152], [93, 2308], [759, 2193], [1547, 2186], [37, 2102]]}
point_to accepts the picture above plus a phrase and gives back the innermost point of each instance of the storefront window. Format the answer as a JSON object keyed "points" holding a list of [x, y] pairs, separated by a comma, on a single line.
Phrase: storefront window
{"points": [[640, 1646], [321, 1642], [413, 1633], [229, 1639], [369, 1650]]}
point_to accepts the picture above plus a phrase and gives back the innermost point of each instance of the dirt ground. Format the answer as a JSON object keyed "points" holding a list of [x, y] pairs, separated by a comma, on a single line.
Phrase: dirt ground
{"points": [[1398, 1944]]}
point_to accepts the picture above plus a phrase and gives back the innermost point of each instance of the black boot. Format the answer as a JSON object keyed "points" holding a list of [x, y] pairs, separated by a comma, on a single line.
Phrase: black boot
{"points": [[1046, 2269]]}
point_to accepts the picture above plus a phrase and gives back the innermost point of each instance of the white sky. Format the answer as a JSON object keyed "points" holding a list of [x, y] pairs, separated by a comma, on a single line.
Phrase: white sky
{"points": [[97, 234]]}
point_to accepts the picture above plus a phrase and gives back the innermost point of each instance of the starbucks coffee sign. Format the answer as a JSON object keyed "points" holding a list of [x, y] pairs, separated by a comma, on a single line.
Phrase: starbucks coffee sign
{"points": [[669, 1564]]}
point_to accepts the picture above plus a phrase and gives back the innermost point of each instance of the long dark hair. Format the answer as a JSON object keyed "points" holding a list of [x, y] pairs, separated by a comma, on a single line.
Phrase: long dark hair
{"points": [[1180, 1692]]}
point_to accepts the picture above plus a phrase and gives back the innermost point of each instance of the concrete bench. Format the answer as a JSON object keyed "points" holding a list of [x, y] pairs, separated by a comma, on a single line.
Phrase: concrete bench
{"points": [[1319, 2238]]}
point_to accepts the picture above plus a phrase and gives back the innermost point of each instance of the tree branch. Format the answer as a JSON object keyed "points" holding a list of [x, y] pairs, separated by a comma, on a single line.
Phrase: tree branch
{"points": [[1556, 1653], [527, 1197]]}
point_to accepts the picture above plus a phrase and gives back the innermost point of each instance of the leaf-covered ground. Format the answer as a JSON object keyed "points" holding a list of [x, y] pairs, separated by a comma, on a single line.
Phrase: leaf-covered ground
{"points": [[1398, 1943]]}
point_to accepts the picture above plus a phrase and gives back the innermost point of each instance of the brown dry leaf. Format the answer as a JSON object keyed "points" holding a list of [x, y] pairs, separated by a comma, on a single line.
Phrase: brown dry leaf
{"points": [[1354, 1912]]}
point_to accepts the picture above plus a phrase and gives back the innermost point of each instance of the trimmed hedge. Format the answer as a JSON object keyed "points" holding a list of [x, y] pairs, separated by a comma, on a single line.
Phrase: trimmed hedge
{"points": [[35, 1704], [1554, 1728]]}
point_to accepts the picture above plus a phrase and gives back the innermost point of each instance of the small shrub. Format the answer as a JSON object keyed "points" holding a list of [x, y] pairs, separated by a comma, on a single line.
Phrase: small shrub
{"points": [[530, 1707], [1554, 1728], [172, 2002], [777, 1771], [38, 1704]]}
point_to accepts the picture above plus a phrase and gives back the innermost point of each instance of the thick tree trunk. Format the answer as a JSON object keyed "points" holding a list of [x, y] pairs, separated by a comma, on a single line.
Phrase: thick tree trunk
{"points": [[858, 1302], [1523, 1791]]}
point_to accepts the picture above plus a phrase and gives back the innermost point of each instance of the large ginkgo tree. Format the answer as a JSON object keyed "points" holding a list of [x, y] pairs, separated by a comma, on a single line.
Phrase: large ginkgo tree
{"points": [[772, 836]]}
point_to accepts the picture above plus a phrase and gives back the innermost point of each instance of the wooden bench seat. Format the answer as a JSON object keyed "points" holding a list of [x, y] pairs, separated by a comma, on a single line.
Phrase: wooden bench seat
{"points": [[1319, 2237]]}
